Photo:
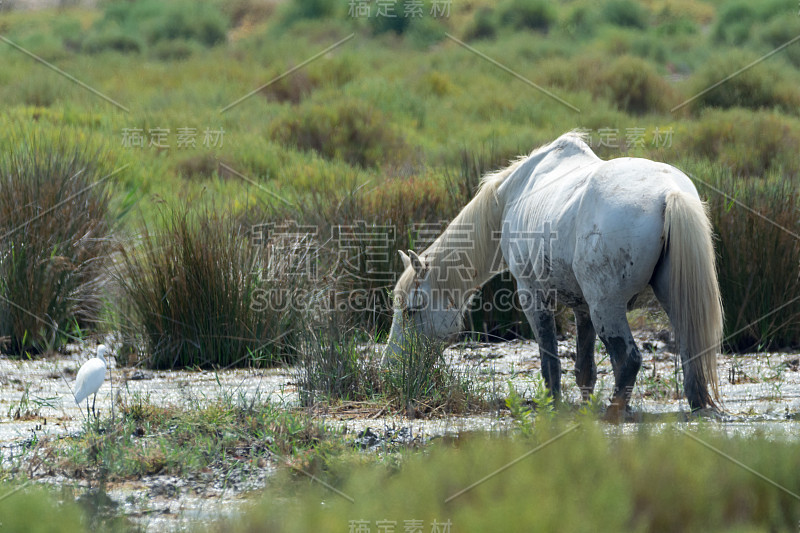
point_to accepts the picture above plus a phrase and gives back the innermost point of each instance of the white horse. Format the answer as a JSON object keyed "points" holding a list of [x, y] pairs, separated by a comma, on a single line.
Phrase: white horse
{"points": [[592, 234]]}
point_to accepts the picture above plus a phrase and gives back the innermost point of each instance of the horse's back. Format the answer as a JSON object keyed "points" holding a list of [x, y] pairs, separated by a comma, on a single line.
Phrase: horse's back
{"points": [[603, 222]]}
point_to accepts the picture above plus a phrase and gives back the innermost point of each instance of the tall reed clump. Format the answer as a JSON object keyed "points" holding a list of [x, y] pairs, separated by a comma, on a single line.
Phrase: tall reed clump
{"points": [[332, 366], [337, 363], [759, 258], [55, 239], [200, 294]]}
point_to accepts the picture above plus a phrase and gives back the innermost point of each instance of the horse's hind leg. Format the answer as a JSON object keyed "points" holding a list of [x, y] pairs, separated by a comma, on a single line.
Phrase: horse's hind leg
{"points": [[585, 367], [543, 323], [612, 326]]}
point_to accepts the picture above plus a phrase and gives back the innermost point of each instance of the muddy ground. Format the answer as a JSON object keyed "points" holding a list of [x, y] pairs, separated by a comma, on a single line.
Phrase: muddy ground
{"points": [[760, 392]]}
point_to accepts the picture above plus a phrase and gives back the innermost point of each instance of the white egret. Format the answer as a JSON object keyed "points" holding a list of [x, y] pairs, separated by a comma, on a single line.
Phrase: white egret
{"points": [[90, 378]]}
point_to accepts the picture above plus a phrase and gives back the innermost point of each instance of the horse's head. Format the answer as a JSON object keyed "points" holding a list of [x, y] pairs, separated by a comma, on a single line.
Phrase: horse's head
{"points": [[421, 307]]}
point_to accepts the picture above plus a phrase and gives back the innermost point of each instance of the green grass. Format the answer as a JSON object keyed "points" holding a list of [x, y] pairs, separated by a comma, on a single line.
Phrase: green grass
{"points": [[148, 438], [585, 480], [41, 510]]}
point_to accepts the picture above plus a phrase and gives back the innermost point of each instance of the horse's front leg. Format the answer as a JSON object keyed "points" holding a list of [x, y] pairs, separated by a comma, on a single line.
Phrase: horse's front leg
{"points": [[542, 320], [585, 367]]}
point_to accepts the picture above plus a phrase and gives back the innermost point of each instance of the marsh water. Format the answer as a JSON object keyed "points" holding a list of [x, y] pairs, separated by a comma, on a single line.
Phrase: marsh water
{"points": [[760, 393]]}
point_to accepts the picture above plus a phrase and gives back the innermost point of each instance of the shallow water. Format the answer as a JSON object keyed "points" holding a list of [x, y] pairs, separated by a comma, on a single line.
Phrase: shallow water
{"points": [[760, 393]]}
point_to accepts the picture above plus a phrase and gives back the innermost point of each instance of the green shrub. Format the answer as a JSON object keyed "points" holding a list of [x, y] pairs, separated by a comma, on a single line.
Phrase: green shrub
{"points": [[297, 86], [734, 22], [574, 74], [249, 11], [745, 142], [69, 31], [176, 50], [112, 37], [634, 86], [537, 15], [425, 31], [422, 29], [125, 24], [778, 32], [581, 20], [312, 9], [624, 13], [200, 166], [769, 9], [189, 21], [630, 83], [484, 25], [292, 88], [347, 130], [635, 481], [55, 240], [196, 294], [393, 20], [737, 18], [761, 86], [38, 89], [672, 20], [650, 46]]}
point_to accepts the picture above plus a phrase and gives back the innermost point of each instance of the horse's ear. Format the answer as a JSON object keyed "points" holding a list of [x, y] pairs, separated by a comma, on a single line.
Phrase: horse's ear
{"points": [[416, 262], [405, 258]]}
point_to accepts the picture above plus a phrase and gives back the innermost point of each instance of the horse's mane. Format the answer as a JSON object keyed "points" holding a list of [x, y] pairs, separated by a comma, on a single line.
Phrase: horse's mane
{"points": [[482, 216]]}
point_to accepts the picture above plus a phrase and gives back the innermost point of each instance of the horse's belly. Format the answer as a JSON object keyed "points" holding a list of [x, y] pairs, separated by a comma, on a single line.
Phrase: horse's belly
{"points": [[561, 279]]}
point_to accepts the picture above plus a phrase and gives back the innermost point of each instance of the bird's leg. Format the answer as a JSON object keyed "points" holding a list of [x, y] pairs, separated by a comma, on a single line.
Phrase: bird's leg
{"points": [[94, 399], [88, 417]]}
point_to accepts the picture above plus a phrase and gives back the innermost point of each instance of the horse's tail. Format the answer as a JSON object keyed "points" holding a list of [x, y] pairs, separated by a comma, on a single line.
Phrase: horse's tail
{"points": [[695, 303]]}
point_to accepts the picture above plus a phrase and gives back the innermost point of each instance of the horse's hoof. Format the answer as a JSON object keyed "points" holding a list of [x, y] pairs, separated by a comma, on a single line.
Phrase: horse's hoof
{"points": [[618, 413]]}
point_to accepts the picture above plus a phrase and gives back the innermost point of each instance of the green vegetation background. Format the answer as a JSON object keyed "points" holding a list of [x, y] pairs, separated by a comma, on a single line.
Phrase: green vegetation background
{"points": [[395, 125]]}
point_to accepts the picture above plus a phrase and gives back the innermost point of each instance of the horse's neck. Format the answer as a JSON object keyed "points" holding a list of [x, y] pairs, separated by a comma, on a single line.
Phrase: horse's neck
{"points": [[467, 254]]}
